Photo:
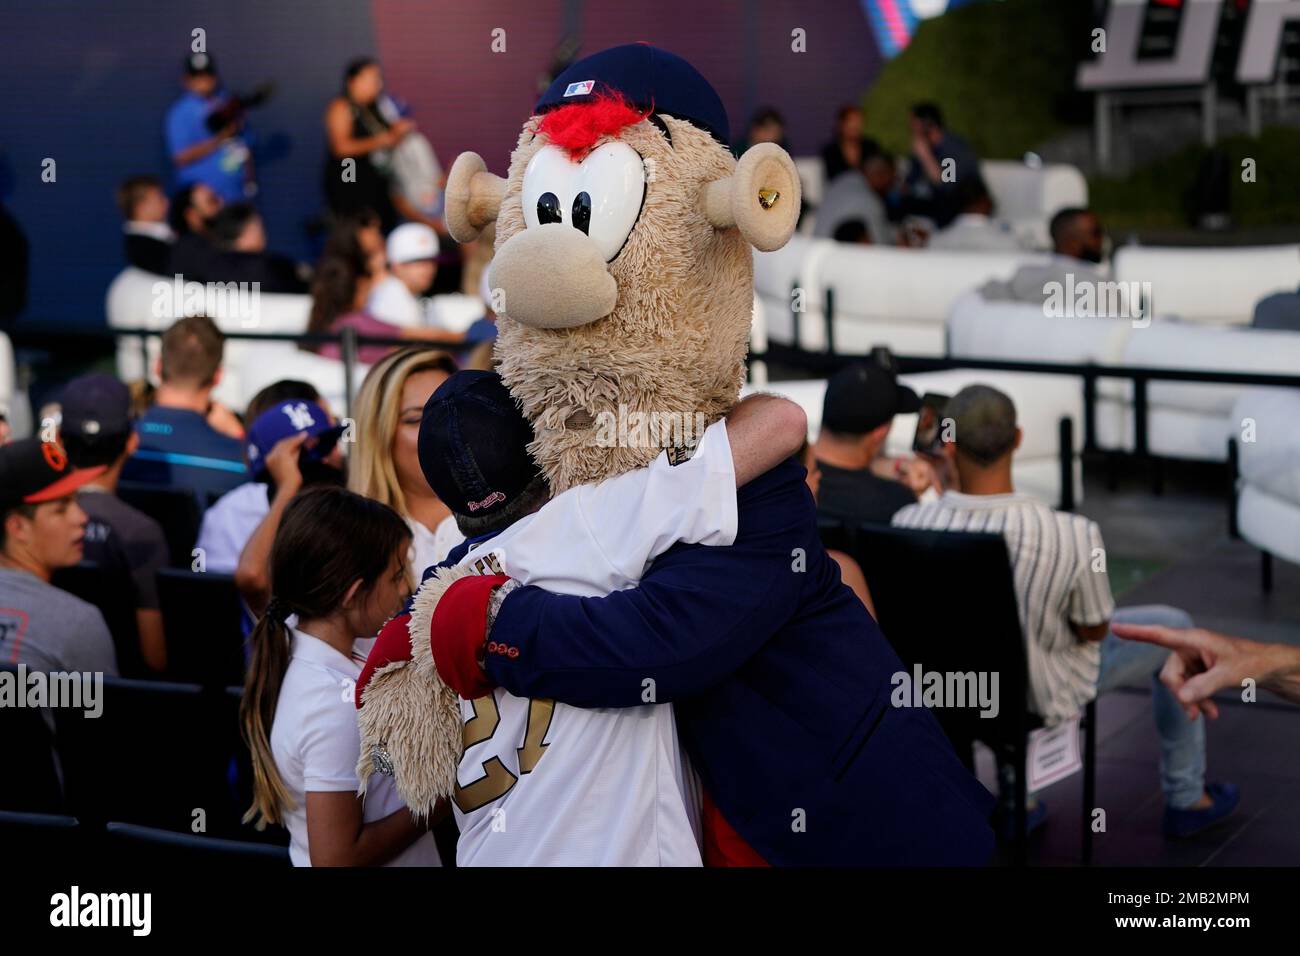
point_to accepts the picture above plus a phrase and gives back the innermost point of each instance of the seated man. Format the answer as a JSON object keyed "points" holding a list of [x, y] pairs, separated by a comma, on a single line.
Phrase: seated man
{"points": [[779, 679], [940, 159], [860, 195], [179, 447], [1066, 608], [474, 453], [41, 530], [96, 432], [1078, 246], [239, 237], [975, 228], [231, 520], [857, 412], [144, 212], [292, 445]]}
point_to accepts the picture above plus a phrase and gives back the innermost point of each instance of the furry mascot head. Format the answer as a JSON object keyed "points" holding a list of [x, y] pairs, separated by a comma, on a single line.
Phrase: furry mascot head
{"points": [[623, 283]]}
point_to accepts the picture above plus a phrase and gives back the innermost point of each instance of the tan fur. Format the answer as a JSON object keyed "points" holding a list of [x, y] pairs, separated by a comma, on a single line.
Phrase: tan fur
{"points": [[412, 714], [676, 340]]}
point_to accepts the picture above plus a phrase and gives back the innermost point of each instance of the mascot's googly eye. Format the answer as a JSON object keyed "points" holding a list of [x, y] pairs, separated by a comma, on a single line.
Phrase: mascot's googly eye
{"points": [[613, 179], [601, 196]]}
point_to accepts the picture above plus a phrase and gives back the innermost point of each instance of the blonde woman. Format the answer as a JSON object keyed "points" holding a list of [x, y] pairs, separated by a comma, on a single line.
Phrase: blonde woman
{"points": [[384, 463]]}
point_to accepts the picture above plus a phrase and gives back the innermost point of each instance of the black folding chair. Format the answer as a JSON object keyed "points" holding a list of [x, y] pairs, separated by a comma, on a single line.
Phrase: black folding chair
{"points": [[176, 509], [29, 775], [168, 851], [159, 755], [110, 590], [946, 600], [201, 618]]}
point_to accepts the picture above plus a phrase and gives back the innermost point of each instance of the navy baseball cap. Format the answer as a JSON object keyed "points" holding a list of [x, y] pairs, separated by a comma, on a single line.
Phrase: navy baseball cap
{"points": [[647, 77], [473, 444], [95, 405], [287, 418]]}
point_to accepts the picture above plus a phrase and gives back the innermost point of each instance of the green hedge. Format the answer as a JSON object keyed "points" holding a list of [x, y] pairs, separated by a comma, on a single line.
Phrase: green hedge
{"points": [[1152, 197]]}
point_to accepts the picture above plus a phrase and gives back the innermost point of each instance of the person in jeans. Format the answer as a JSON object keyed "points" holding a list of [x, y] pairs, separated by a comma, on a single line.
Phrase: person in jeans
{"points": [[1066, 607]]}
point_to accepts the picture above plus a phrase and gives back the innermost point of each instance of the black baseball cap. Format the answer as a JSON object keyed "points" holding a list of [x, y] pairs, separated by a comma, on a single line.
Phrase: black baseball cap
{"points": [[95, 405], [33, 471], [473, 444], [863, 397], [200, 64]]}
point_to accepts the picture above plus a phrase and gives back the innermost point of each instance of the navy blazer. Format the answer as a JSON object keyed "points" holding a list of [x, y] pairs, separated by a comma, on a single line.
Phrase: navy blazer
{"points": [[781, 681]]}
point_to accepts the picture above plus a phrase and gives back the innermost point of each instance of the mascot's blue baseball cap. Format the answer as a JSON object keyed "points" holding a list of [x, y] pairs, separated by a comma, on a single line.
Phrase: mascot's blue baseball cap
{"points": [[647, 77]]}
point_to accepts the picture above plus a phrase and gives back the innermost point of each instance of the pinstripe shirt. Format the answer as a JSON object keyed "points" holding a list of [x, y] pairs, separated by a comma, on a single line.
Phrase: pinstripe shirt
{"points": [[1058, 565]]}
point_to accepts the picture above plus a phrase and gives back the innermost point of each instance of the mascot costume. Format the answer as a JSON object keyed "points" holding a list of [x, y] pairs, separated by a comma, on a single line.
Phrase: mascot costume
{"points": [[623, 268]]}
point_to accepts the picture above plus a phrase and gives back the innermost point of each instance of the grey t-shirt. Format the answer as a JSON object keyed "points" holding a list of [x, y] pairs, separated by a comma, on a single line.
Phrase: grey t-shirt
{"points": [[119, 538], [50, 630]]}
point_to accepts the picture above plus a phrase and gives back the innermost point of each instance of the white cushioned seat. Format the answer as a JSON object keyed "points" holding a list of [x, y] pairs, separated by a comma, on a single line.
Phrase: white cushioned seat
{"points": [[1210, 286]]}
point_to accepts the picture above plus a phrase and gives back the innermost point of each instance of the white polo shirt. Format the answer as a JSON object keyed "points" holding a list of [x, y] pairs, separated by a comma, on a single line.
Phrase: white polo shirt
{"points": [[229, 523], [316, 743], [541, 783]]}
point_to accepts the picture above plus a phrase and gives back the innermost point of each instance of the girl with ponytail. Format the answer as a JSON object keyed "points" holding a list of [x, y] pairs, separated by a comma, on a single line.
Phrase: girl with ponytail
{"points": [[339, 563]]}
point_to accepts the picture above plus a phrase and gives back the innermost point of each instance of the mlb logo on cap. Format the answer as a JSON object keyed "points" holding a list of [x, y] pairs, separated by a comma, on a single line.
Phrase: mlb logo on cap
{"points": [[579, 89]]}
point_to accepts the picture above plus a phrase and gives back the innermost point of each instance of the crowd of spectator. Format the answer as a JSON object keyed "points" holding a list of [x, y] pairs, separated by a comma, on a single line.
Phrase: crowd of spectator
{"points": [[326, 526]]}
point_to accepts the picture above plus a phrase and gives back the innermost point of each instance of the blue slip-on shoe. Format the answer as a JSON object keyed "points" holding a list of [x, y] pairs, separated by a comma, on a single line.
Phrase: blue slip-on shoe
{"points": [[1185, 823]]}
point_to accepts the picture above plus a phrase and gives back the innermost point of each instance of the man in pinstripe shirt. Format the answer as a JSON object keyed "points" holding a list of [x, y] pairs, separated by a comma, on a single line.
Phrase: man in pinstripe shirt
{"points": [[1058, 564]]}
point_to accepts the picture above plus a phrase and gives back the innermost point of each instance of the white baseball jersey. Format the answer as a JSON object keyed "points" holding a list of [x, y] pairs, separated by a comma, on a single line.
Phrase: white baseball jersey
{"points": [[542, 783]]}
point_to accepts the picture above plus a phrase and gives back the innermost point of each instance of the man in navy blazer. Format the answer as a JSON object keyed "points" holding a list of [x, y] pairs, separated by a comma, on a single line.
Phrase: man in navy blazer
{"points": [[781, 682]]}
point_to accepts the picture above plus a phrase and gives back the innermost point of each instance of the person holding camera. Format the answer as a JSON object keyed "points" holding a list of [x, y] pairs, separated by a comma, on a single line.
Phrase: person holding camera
{"points": [[219, 158]]}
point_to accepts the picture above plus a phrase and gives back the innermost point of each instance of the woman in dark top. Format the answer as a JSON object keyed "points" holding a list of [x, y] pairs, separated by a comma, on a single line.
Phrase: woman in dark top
{"points": [[849, 149], [356, 129]]}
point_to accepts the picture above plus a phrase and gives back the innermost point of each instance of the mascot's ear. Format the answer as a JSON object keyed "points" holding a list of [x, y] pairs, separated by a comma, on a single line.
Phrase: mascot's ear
{"points": [[761, 198], [473, 197]]}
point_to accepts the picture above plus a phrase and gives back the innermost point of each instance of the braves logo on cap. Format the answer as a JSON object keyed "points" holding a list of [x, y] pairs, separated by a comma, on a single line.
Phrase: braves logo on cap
{"points": [[579, 89], [487, 502]]}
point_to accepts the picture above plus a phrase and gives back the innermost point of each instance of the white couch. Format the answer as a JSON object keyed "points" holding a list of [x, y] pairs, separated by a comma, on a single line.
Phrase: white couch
{"points": [[900, 298], [1268, 502], [138, 299], [1027, 197], [1041, 402], [1210, 286], [1185, 419]]}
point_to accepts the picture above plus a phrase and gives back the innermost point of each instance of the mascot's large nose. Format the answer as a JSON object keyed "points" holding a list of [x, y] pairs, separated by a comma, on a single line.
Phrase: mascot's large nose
{"points": [[552, 277]]}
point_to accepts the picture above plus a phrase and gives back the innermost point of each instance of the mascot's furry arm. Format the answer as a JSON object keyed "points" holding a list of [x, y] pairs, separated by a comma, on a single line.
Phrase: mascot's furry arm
{"points": [[409, 718]]}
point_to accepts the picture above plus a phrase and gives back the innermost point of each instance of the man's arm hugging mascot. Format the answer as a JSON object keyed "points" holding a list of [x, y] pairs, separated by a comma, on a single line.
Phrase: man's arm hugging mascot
{"points": [[624, 274]]}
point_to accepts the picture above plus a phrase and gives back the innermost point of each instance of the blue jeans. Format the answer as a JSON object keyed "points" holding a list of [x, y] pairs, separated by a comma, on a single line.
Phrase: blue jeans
{"points": [[1182, 741]]}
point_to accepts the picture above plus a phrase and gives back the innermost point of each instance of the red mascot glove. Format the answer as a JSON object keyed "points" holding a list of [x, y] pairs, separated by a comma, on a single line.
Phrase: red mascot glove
{"points": [[393, 644], [458, 634]]}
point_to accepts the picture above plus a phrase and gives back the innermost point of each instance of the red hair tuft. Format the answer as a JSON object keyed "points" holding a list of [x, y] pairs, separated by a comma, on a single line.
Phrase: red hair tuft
{"points": [[576, 128]]}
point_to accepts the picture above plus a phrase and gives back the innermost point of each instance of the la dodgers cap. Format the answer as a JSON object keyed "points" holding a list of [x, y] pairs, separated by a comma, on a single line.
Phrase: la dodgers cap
{"points": [[863, 397], [33, 471], [473, 444], [647, 77], [287, 418]]}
